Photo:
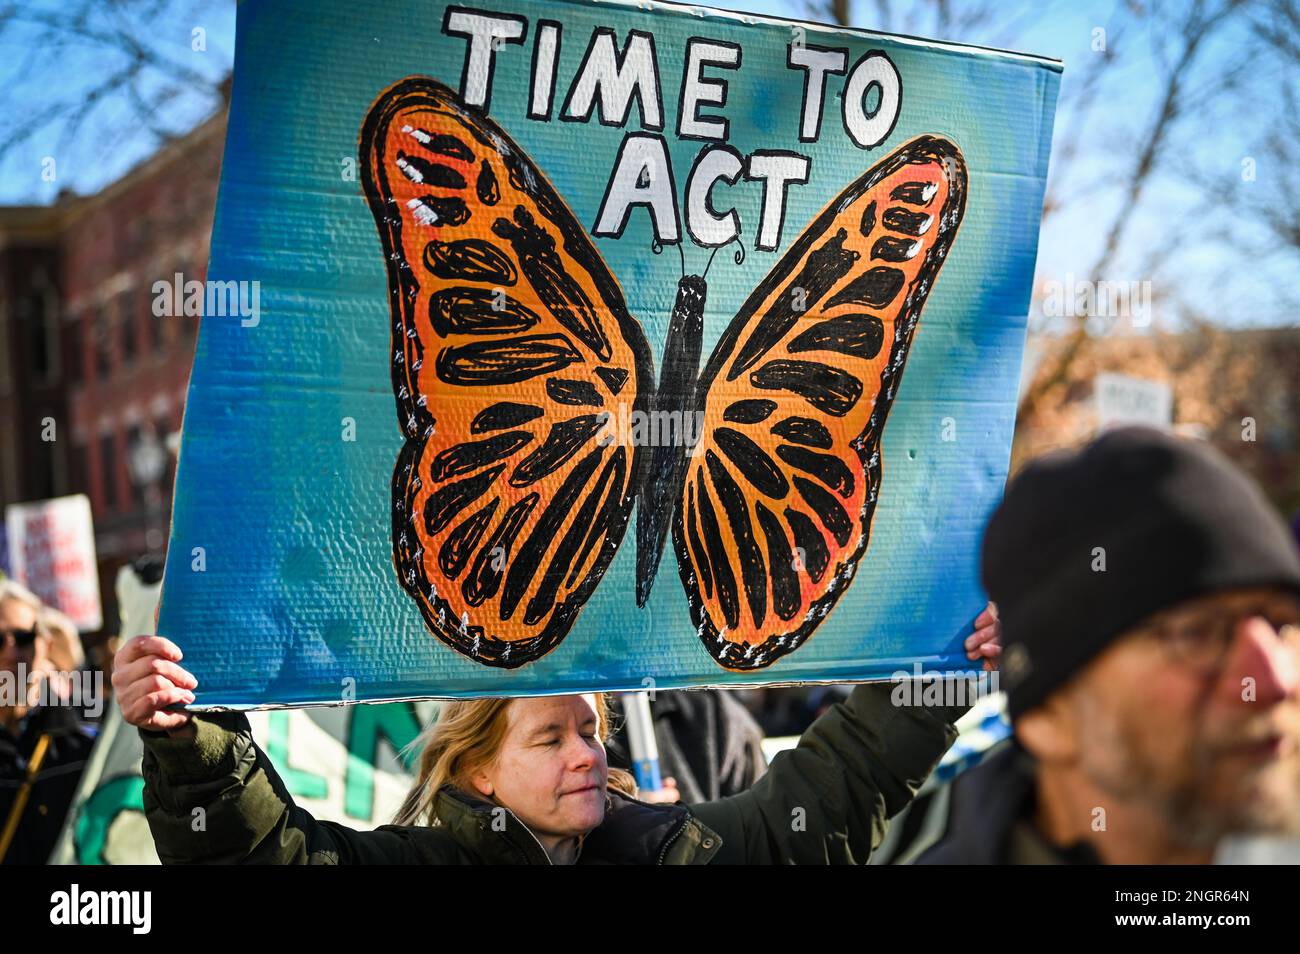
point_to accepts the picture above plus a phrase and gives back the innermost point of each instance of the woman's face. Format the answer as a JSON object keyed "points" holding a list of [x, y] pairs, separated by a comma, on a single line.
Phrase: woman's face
{"points": [[551, 769]]}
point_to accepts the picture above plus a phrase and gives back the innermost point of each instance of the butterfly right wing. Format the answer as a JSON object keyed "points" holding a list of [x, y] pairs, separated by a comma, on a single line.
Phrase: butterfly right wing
{"points": [[776, 506], [510, 340]]}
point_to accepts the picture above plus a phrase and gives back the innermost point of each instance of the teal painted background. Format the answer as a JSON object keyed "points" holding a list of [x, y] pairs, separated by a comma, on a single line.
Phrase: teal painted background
{"points": [[296, 600]]}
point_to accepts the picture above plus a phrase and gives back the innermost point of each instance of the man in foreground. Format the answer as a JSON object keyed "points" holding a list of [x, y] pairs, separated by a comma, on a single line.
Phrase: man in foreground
{"points": [[1150, 603]]}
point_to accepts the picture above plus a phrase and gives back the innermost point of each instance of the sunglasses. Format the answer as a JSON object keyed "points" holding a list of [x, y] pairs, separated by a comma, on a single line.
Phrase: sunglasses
{"points": [[21, 637]]}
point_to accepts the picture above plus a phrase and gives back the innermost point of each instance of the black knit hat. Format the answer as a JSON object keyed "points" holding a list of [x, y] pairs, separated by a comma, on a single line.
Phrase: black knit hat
{"points": [[1088, 543]]}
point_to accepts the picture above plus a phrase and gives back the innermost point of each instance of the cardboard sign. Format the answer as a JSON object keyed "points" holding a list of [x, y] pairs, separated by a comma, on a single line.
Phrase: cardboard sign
{"points": [[52, 553], [599, 346]]}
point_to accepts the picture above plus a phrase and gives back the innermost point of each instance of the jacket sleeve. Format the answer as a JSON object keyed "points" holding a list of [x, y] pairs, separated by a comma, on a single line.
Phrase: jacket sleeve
{"points": [[216, 799], [828, 800]]}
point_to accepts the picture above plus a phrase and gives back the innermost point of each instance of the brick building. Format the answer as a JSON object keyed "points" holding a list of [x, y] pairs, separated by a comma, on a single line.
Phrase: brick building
{"points": [[80, 345], [1233, 387]]}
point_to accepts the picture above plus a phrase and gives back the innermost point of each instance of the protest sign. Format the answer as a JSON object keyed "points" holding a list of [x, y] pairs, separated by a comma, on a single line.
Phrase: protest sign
{"points": [[1122, 400], [561, 346], [52, 552]]}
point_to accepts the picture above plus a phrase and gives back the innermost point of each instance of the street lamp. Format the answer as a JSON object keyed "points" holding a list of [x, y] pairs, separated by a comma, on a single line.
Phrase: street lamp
{"points": [[146, 461]]}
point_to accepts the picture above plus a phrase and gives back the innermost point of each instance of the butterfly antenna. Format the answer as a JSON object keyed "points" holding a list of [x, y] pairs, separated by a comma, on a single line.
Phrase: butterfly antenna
{"points": [[709, 263], [657, 247], [739, 256]]}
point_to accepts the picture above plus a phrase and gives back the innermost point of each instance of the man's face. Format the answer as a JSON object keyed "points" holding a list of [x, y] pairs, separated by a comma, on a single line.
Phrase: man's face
{"points": [[16, 620], [1197, 711]]}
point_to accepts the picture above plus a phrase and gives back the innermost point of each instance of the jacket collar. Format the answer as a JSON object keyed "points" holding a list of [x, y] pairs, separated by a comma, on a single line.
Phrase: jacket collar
{"points": [[991, 821], [633, 832], [490, 831], [986, 803]]}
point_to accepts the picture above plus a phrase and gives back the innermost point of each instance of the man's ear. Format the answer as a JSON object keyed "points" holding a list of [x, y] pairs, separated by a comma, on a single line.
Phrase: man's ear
{"points": [[1049, 731]]}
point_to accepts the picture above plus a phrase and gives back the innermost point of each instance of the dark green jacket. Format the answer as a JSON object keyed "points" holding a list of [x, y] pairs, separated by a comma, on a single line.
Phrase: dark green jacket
{"points": [[828, 800]]}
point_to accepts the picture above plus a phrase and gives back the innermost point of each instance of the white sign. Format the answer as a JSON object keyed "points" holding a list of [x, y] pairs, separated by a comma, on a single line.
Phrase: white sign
{"points": [[52, 553], [1123, 400]]}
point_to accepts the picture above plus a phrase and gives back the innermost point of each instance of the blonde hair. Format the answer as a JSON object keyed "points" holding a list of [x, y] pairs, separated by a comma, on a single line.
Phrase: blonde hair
{"points": [[13, 590], [66, 651], [466, 736]]}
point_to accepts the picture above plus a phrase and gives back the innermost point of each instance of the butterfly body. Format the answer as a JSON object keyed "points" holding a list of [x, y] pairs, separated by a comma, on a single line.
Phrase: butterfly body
{"points": [[674, 399], [513, 347]]}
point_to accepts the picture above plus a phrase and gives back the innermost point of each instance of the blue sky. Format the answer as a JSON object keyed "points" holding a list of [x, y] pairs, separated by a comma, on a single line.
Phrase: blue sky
{"points": [[1174, 223]]}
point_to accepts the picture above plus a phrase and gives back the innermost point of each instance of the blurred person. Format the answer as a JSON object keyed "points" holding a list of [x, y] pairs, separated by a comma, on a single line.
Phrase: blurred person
{"points": [[526, 781], [709, 744], [1150, 603], [43, 747], [66, 656], [138, 587], [66, 652]]}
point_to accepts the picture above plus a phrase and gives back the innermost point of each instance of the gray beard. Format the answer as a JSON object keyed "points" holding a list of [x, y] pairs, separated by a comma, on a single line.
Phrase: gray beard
{"points": [[1192, 815]]}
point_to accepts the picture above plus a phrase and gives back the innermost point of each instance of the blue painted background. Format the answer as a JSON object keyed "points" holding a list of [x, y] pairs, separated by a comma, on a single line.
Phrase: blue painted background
{"points": [[296, 600]]}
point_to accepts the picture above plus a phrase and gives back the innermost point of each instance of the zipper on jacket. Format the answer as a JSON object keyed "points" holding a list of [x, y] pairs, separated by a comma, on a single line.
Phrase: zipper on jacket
{"points": [[545, 854], [673, 837]]}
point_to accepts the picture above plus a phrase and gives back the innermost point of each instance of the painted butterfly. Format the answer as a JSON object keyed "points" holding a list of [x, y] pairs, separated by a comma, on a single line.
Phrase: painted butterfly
{"points": [[512, 347]]}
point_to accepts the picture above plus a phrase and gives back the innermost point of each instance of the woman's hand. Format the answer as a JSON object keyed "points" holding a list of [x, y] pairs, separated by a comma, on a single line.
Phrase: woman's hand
{"points": [[986, 641], [668, 795], [147, 679]]}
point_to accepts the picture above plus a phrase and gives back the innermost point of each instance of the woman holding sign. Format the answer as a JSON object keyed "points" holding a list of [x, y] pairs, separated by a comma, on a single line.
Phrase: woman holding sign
{"points": [[525, 781]]}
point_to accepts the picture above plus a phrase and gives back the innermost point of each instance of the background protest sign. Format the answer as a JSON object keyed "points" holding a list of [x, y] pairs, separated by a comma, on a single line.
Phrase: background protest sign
{"points": [[641, 284], [1123, 400], [52, 553]]}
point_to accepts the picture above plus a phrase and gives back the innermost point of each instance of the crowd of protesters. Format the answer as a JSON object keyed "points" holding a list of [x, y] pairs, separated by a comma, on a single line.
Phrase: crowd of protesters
{"points": [[44, 743]]}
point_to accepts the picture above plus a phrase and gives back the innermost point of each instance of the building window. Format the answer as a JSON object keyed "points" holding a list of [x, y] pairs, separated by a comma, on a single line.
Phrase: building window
{"points": [[144, 312], [126, 319], [158, 323], [108, 469], [42, 466], [87, 346], [80, 477], [42, 360], [72, 349], [103, 343]]}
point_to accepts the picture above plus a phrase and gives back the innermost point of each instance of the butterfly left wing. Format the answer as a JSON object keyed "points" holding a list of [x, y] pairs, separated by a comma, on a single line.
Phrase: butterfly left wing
{"points": [[511, 341], [776, 507]]}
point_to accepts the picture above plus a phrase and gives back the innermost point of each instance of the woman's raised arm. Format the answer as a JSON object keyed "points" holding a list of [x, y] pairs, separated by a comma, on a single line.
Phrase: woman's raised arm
{"points": [[211, 795]]}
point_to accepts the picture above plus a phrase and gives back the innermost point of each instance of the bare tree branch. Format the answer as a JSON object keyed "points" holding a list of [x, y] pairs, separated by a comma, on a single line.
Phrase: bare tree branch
{"points": [[115, 74], [1192, 30]]}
